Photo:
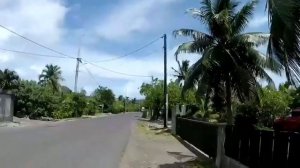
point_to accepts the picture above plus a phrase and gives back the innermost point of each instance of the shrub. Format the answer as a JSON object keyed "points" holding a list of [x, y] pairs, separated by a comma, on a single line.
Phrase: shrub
{"points": [[91, 107], [246, 115]]}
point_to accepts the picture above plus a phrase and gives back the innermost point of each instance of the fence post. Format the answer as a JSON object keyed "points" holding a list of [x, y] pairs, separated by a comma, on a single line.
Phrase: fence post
{"points": [[220, 145], [178, 109], [174, 114], [183, 110]]}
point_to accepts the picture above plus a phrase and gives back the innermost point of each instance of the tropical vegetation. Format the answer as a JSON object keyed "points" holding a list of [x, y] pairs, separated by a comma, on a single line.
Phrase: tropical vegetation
{"points": [[48, 98], [228, 78]]}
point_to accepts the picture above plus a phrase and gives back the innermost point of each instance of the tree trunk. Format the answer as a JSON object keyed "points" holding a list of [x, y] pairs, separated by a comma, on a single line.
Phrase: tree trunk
{"points": [[206, 115], [228, 101]]}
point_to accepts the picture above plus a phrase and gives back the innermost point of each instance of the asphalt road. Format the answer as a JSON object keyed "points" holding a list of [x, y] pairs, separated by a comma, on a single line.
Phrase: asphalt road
{"points": [[90, 143]]}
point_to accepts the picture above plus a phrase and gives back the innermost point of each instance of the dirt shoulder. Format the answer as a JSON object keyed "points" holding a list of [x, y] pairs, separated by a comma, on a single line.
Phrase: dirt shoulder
{"points": [[153, 147]]}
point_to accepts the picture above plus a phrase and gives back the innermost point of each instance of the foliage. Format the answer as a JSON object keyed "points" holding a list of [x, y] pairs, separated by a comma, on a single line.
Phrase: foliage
{"points": [[154, 97], [105, 96], [47, 98], [121, 98], [118, 107], [35, 101], [230, 62], [285, 36], [91, 107], [9, 80], [51, 75], [182, 71], [246, 114], [273, 104]]}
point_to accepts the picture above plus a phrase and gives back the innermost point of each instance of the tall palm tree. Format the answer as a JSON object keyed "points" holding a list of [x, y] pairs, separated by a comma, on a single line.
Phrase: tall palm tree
{"points": [[182, 71], [9, 80], [51, 75], [230, 63], [284, 43]]}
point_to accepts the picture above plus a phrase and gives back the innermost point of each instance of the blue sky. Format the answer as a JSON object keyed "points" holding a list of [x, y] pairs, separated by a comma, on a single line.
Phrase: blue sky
{"points": [[104, 29]]}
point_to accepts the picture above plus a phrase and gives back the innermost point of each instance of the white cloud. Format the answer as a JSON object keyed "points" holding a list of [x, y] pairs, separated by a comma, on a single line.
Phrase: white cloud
{"points": [[258, 21], [5, 57], [133, 17], [35, 19]]}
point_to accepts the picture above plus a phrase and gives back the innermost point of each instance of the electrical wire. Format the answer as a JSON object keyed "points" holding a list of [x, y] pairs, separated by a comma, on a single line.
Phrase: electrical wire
{"points": [[36, 43], [130, 53], [90, 73], [33, 54], [116, 72]]}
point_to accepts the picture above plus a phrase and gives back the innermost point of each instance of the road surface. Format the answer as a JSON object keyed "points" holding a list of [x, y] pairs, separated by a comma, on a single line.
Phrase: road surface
{"points": [[90, 143]]}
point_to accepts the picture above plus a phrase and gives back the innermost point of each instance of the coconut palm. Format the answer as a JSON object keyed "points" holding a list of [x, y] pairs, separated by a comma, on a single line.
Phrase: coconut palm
{"points": [[230, 64], [284, 43], [181, 72], [51, 76], [9, 80]]}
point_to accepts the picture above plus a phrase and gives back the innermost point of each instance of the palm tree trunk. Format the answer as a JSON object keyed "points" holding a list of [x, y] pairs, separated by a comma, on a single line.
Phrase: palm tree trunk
{"points": [[206, 101], [228, 101]]}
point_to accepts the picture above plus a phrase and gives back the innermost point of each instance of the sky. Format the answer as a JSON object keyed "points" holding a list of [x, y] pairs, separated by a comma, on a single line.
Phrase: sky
{"points": [[102, 30]]}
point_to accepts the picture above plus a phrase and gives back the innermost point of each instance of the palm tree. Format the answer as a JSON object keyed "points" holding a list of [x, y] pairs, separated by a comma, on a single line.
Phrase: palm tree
{"points": [[51, 75], [230, 63], [9, 80], [284, 43], [182, 71]]}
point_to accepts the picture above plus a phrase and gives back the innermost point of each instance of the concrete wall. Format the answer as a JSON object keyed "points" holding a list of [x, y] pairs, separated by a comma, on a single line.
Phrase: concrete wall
{"points": [[6, 107]]}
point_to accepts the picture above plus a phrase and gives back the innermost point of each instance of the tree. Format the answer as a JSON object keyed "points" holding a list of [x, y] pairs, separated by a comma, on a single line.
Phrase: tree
{"points": [[285, 36], [133, 101], [36, 101], [230, 63], [83, 92], [182, 71], [153, 96], [9, 80], [121, 98], [153, 93], [274, 104], [51, 76], [65, 89], [104, 95]]}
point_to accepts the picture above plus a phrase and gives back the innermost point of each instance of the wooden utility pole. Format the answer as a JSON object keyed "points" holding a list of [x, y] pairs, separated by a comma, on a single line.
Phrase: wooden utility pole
{"points": [[165, 83], [78, 59]]}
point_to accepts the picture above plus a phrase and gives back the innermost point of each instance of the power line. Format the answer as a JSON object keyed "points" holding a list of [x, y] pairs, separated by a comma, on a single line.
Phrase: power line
{"points": [[116, 72], [130, 53], [34, 54], [36, 43], [90, 73]]}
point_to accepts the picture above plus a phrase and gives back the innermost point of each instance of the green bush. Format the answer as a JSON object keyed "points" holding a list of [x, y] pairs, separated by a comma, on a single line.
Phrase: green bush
{"points": [[91, 107], [273, 104], [246, 114], [118, 107], [35, 101]]}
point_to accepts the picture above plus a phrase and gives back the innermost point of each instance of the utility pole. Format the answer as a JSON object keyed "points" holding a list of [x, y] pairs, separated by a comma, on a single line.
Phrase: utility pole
{"points": [[165, 83], [78, 59]]}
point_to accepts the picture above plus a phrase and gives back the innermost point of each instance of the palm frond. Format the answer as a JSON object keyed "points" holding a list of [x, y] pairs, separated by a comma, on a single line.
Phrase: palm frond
{"points": [[196, 35], [241, 19], [285, 36], [256, 38]]}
